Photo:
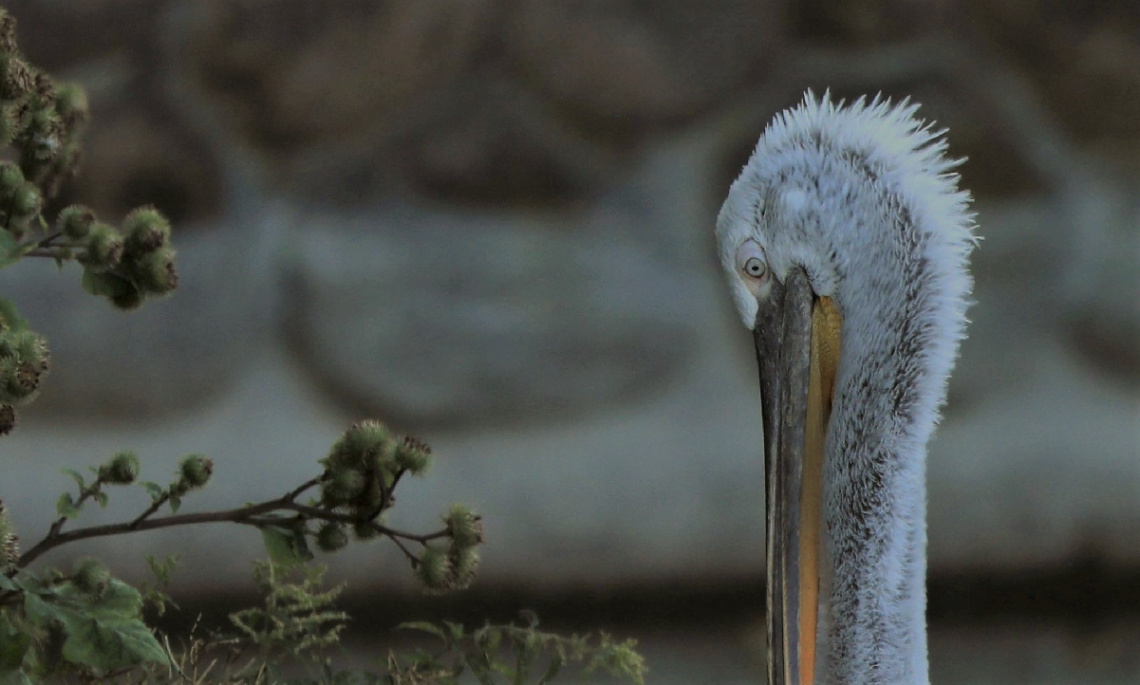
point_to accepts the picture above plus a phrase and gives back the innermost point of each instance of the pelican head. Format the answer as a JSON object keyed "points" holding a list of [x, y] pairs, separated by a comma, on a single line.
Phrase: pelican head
{"points": [[845, 241]]}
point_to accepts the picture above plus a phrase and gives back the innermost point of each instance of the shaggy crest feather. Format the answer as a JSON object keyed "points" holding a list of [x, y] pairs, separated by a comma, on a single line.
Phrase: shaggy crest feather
{"points": [[864, 199]]}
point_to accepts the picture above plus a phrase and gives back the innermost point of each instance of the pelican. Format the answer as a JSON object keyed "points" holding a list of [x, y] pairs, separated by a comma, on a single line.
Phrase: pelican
{"points": [[845, 240]]}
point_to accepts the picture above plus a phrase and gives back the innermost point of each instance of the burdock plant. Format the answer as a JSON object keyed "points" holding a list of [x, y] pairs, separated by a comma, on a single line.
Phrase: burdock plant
{"points": [[83, 624], [85, 619]]}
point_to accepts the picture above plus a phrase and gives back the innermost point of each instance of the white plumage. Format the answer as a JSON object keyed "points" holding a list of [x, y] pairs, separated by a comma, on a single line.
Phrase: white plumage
{"points": [[864, 199]]}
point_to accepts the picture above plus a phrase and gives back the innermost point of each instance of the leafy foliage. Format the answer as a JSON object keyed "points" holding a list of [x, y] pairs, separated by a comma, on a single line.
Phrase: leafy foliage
{"points": [[86, 622], [290, 638]]}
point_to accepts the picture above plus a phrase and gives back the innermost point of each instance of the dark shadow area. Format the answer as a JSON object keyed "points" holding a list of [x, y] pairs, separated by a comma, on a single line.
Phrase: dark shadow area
{"points": [[1083, 594]]}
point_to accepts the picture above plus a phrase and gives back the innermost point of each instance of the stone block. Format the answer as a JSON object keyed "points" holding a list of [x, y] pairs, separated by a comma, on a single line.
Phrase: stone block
{"points": [[439, 317]]}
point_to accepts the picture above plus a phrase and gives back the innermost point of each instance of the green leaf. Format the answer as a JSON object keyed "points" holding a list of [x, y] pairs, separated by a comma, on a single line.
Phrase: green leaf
{"points": [[455, 628], [77, 477], [479, 667], [106, 645], [11, 316], [424, 627], [15, 678], [105, 633], [101, 498], [161, 568], [13, 645], [286, 546], [65, 506], [40, 612], [526, 653], [158, 601], [551, 670], [9, 249], [93, 284], [155, 490], [175, 503], [488, 638], [118, 601]]}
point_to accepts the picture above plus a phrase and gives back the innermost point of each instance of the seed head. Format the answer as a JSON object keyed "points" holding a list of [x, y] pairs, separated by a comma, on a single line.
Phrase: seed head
{"points": [[464, 527], [128, 299], [413, 456], [363, 530], [71, 104], [464, 563], [27, 202], [122, 469], [11, 178], [91, 576], [145, 230], [362, 446], [104, 247], [19, 379], [7, 418], [123, 293], [16, 78], [155, 271], [331, 537], [342, 485], [75, 221], [7, 32], [9, 541], [196, 470], [433, 569]]}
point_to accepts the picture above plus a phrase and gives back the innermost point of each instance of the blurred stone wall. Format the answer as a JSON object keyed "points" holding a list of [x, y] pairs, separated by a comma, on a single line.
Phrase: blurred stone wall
{"points": [[491, 222]]}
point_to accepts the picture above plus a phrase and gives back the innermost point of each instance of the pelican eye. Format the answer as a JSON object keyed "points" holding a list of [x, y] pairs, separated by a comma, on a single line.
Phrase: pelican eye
{"points": [[755, 268], [750, 260]]}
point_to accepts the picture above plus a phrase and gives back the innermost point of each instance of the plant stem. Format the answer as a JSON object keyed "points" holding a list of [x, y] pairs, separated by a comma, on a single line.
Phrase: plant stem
{"points": [[289, 497], [407, 552], [44, 242], [248, 515], [54, 540], [43, 252], [154, 506], [391, 533], [84, 494]]}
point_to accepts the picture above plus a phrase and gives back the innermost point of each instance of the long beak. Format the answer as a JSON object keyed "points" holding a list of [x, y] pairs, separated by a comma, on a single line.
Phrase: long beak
{"points": [[797, 347]]}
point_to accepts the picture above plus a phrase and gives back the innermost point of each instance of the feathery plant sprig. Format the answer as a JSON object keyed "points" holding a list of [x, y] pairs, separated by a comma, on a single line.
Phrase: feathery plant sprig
{"points": [[516, 652]]}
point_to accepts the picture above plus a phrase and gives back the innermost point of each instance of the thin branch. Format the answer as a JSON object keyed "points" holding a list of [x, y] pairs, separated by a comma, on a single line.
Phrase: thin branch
{"points": [[49, 252], [84, 495], [233, 515], [44, 242], [389, 496], [154, 506], [411, 557], [8, 212], [302, 487], [250, 515], [347, 518], [45, 247]]}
